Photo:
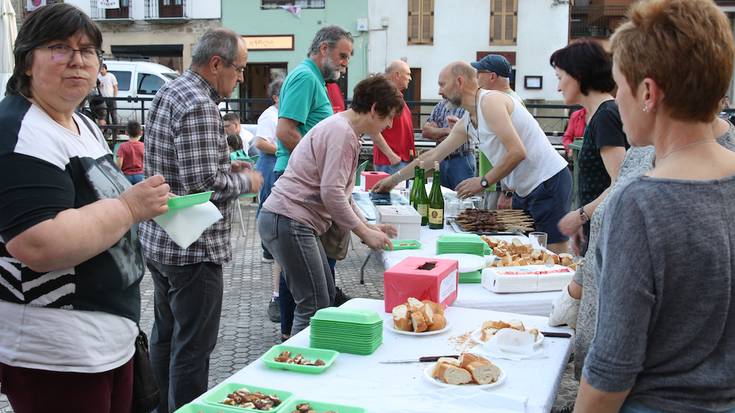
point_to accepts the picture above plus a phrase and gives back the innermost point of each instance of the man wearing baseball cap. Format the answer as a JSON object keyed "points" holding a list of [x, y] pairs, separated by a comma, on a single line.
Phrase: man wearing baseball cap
{"points": [[493, 73]]}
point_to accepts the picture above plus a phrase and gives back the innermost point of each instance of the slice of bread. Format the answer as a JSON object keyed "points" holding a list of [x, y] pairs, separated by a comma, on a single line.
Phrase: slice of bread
{"points": [[435, 307], [482, 370], [438, 322], [418, 322], [414, 304], [401, 318], [451, 374]]}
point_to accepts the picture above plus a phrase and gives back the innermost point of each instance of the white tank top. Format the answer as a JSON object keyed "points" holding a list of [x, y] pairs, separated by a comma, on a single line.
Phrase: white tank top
{"points": [[542, 161]]}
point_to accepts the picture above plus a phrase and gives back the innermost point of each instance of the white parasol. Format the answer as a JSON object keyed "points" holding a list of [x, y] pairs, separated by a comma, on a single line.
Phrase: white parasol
{"points": [[8, 32]]}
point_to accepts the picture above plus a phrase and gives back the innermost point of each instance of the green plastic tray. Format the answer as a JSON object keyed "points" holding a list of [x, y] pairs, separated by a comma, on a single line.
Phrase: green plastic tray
{"points": [[186, 201], [347, 315], [216, 395], [472, 277], [406, 244], [321, 407], [205, 408], [328, 356]]}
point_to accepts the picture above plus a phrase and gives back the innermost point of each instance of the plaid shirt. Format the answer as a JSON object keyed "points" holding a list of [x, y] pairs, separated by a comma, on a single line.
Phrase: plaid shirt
{"points": [[185, 142], [439, 116]]}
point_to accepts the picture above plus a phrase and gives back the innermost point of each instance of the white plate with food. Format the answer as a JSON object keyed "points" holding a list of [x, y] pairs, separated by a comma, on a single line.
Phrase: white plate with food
{"points": [[464, 378], [466, 262], [477, 337], [388, 323]]}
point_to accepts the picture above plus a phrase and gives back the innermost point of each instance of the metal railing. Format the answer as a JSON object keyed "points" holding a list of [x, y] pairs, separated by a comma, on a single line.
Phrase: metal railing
{"points": [[173, 9], [595, 21]]}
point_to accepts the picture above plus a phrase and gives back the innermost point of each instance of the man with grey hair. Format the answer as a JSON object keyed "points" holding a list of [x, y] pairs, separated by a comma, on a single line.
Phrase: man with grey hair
{"points": [[393, 147], [304, 103], [185, 143]]}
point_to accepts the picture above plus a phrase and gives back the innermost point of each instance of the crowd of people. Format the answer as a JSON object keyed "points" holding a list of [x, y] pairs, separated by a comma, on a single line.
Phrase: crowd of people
{"points": [[652, 302]]}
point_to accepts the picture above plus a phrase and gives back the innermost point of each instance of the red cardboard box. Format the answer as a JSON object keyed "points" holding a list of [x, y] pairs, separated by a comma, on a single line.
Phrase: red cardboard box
{"points": [[370, 178], [423, 278]]}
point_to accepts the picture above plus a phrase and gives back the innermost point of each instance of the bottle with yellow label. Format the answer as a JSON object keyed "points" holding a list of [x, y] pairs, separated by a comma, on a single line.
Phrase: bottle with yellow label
{"points": [[436, 201], [421, 200]]}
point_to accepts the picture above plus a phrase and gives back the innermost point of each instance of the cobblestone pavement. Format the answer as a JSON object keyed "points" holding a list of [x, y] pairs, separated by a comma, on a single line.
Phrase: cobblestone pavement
{"points": [[245, 331]]}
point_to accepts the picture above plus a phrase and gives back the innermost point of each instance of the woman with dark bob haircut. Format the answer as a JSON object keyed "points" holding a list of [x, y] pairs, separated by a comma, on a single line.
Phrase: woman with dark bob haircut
{"points": [[70, 266], [584, 70], [666, 314], [316, 191]]}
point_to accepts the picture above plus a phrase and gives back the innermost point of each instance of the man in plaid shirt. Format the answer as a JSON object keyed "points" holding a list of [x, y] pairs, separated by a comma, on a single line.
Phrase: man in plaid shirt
{"points": [[461, 163], [185, 142]]}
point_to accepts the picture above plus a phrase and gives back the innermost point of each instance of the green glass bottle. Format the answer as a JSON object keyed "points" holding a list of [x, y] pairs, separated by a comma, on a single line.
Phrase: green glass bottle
{"points": [[436, 201], [412, 193], [421, 199]]}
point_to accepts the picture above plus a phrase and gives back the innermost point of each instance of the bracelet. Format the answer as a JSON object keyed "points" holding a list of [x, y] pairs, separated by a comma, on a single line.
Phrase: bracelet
{"points": [[583, 215]]}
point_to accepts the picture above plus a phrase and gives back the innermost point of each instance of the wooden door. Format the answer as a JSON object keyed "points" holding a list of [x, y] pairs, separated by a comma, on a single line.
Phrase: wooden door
{"points": [[170, 8]]}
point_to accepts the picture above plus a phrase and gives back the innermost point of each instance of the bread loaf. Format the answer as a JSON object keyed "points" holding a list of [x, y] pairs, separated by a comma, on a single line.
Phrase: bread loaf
{"points": [[438, 323], [482, 370], [401, 319]]}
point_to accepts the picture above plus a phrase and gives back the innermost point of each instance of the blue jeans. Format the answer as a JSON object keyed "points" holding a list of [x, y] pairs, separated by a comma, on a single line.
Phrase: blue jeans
{"points": [[457, 169], [305, 268], [188, 304], [286, 304], [265, 165], [390, 169], [134, 179]]}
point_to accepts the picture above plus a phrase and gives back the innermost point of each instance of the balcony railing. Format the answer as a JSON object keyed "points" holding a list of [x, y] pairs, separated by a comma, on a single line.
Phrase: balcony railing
{"points": [[120, 14], [595, 21], [173, 10]]}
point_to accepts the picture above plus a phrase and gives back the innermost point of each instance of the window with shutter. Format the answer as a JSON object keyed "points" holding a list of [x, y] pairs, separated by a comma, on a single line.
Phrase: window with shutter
{"points": [[420, 21], [503, 22]]}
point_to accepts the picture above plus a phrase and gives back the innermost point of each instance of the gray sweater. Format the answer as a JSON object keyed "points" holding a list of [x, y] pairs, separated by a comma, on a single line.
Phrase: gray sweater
{"points": [[666, 319]]}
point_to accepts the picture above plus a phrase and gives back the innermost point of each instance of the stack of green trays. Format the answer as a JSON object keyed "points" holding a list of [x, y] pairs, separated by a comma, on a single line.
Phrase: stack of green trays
{"points": [[472, 277], [460, 244], [347, 330]]}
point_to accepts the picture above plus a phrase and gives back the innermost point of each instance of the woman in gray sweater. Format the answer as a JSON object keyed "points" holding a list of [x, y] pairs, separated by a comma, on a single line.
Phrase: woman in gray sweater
{"points": [[666, 318]]}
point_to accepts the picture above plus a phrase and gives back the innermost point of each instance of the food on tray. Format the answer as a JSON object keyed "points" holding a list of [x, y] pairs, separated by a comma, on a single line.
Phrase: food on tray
{"points": [[306, 408], [418, 316], [285, 357], [517, 253], [252, 400], [490, 328], [501, 220], [470, 368]]}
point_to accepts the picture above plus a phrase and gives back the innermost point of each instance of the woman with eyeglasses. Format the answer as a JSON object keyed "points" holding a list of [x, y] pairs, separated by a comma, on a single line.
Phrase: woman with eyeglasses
{"points": [[70, 266]]}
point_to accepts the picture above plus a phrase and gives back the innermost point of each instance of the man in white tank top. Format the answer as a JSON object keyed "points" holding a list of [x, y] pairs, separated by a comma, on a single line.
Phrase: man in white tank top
{"points": [[522, 156]]}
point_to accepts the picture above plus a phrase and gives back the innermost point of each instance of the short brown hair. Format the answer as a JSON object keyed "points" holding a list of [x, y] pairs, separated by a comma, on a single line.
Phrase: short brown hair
{"points": [[686, 46], [379, 91]]}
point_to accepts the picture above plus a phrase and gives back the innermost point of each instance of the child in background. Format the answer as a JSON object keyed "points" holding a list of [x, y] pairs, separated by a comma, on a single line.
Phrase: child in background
{"points": [[130, 154]]}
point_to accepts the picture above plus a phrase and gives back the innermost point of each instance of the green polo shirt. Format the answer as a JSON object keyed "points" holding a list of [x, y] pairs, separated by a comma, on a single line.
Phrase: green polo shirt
{"points": [[303, 99]]}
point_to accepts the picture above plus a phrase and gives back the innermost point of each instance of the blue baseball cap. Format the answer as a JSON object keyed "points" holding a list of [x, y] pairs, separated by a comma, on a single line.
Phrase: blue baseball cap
{"points": [[494, 63]]}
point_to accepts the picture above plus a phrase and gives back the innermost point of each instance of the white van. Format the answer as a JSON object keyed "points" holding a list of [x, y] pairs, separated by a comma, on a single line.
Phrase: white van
{"points": [[140, 79]]}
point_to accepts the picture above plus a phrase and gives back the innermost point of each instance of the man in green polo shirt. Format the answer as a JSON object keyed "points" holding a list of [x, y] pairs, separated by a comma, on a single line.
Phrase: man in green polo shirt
{"points": [[303, 101]]}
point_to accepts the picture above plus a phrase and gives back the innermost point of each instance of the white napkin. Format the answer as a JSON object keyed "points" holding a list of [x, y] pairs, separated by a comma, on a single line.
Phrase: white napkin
{"points": [[186, 225], [512, 344]]}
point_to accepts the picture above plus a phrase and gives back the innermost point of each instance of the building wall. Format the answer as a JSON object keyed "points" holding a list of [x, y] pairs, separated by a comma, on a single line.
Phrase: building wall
{"points": [[203, 15], [247, 18], [461, 32]]}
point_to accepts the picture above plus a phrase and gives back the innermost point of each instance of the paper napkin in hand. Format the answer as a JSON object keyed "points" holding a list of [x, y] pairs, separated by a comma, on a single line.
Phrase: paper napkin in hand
{"points": [[186, 225]]}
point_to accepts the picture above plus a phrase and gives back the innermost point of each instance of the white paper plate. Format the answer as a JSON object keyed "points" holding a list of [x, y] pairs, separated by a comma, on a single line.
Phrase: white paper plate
{"points": [[430, 369], [388, 323], [477, 334], [467, 262]]}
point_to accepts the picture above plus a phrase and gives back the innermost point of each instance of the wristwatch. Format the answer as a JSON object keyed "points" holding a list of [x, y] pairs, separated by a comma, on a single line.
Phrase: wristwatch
{"points": [[484, 183], [508, 194]]}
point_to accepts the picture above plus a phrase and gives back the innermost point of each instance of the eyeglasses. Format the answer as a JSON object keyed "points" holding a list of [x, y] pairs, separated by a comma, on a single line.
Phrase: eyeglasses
{"points": [[64, 54], [240, 69]]}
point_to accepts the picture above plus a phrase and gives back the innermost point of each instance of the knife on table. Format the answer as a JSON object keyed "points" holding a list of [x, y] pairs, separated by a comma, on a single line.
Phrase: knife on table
{"points": [[423, 359]]}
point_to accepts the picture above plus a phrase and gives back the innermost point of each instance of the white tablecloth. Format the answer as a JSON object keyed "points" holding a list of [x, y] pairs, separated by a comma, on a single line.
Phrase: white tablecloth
{"points": [[529, 386], [474, 295]]}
